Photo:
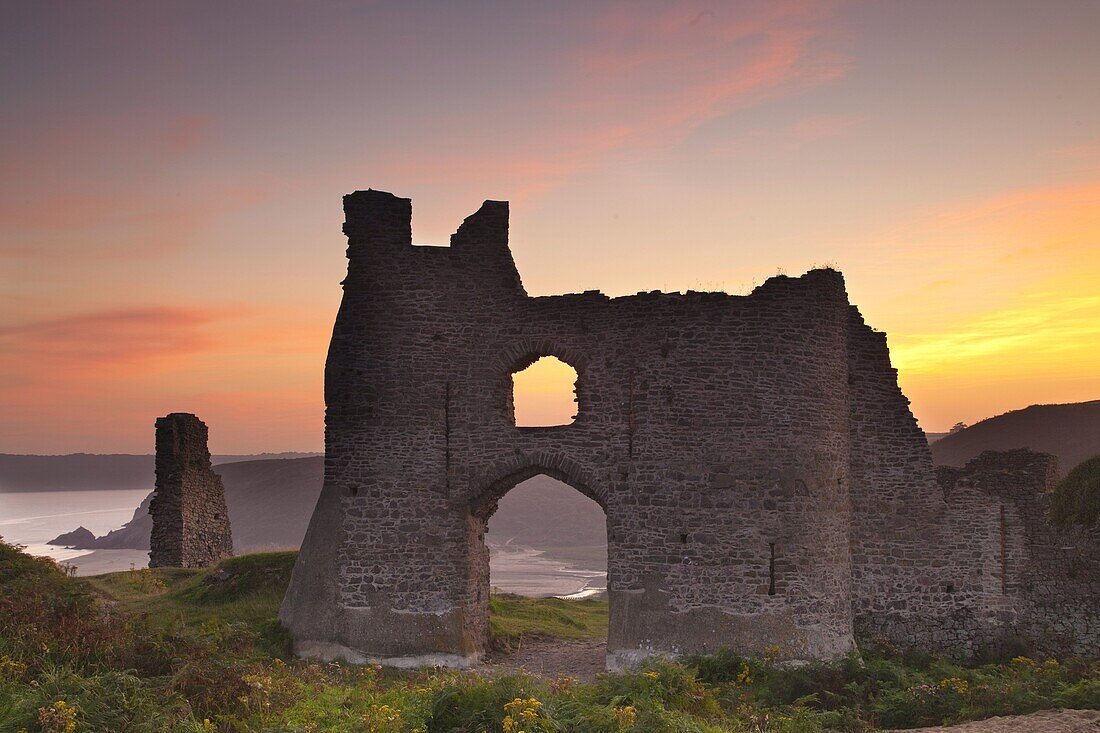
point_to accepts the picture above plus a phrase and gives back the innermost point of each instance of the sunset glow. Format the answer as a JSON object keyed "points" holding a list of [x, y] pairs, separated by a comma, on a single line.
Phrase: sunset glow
{"points": [[171, 179], [543, 393]]}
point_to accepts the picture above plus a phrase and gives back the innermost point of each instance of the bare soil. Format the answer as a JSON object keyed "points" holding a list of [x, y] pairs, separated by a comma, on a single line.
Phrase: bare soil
{"points": [[580, 658], [1047, 721]]}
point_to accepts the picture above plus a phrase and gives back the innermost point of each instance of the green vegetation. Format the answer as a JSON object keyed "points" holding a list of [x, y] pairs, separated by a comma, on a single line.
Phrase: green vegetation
{"points": [[513, 617], [175, 651], [1076, 499], [245, 591], [890, 690]]}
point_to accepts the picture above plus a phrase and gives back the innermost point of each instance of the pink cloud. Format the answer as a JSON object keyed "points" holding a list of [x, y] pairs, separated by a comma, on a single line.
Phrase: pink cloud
{"points": [[103, 141], [1086, 151], [646, 80], [1037, 201], [186, 133], [819, 127], [669, 71], [104, 186]]}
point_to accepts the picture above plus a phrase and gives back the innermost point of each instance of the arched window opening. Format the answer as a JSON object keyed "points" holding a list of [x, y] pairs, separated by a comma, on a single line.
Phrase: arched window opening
{"points": [[544, 394]]}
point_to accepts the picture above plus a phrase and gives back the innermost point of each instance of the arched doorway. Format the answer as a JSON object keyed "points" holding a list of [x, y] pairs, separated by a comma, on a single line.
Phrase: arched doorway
{"points": [[547, 540], [538, 532]]}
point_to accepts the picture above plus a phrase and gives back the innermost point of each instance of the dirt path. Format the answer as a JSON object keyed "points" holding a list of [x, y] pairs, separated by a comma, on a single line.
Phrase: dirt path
{"points": [[581, 658], [1047, 721]]}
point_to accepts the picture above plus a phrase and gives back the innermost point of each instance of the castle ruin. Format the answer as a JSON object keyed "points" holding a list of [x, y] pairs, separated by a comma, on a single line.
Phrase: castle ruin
{"points": [[764, 481], [190, 517]]}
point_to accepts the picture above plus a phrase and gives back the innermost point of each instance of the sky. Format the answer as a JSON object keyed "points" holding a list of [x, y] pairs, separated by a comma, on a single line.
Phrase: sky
{"points": [[171, 178]]}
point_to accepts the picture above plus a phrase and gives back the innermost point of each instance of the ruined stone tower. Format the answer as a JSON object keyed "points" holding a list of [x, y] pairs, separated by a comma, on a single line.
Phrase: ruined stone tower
{"points": [[190, 518], [764, 481]]}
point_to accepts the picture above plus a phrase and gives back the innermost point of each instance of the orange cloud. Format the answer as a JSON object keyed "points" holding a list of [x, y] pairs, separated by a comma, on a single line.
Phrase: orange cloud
{"points": [[111, 337], [1088, 152], [1025, 205], [995, 244], [75, 210], [104, 375]]}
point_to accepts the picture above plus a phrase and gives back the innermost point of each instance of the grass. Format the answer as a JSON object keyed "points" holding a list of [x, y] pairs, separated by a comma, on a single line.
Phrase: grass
{"points": [[246, 587], [247, 590], [189, 651], [512, 617]]}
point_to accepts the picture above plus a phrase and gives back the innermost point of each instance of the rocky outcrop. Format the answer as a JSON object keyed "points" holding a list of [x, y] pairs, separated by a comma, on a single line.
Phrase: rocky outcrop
{"points": [[80, 538], [269, 504]]}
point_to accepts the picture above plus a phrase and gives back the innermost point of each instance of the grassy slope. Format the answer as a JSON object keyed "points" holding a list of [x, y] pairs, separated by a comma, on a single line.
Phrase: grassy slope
{"points": [[514, 616], [246, 589], [249, 588], [175, 647]]}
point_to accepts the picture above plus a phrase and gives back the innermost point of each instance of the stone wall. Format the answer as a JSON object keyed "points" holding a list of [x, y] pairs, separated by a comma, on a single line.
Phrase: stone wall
{"points": [[190, 518], [764, 481], [1043, 581]]}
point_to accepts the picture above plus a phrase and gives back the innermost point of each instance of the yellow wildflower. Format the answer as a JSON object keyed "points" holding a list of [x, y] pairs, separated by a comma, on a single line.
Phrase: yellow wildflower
{"points": [[957, 684], [625, 717], [520, 711], [57, 718]]}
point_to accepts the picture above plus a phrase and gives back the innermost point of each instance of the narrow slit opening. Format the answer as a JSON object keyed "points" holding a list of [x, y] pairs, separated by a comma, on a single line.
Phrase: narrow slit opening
{"points": [[771, 569]]}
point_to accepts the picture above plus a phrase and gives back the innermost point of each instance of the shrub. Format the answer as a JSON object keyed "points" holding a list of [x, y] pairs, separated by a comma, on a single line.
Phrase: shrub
{"points": [[64, 701], [1076, 500]]}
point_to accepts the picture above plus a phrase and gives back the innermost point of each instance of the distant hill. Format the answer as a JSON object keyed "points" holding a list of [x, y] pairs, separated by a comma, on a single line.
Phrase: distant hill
{"points": [[271, 501], [548, 513], [1071, 432], [79, 471], [270, 504]]}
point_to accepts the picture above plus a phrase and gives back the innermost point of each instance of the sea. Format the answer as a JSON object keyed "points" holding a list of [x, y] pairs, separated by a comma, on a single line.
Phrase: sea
{"points": [[32, 518]]}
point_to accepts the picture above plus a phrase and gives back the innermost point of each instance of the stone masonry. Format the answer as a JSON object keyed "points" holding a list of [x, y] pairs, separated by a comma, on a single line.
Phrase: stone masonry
{"points": [[1015, 577], [764, 481], [190, 518]]}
